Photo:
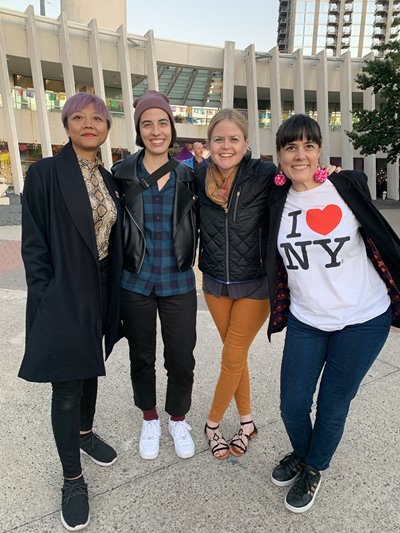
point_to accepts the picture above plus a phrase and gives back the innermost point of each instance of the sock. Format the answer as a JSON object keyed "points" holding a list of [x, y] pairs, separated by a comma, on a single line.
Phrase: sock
{"points": [[177, 418], [85, 435], [150, 414]]}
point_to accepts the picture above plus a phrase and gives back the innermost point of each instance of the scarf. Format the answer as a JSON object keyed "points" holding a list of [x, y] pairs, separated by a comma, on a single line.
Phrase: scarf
{"points": [[217, 187]]}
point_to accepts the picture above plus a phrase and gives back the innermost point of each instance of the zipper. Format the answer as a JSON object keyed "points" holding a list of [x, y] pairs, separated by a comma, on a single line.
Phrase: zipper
{"points": [[144, 240], [260, 245], [237, 178], [236, 205]]}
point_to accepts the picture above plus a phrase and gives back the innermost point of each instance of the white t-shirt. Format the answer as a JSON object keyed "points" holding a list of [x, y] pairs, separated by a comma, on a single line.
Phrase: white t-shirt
{"points": [[332, 282]]}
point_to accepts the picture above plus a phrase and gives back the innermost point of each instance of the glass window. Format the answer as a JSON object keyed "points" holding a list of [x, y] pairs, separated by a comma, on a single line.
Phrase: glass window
{"points": [[307, 41], [298, 41], [310, 7], [324, 7], [369, 19], [309, 19]]}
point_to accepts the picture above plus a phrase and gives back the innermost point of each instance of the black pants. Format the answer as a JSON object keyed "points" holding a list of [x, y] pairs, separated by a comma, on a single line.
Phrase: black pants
{"points": [[74, 404], [72, 410], [178, 329]]}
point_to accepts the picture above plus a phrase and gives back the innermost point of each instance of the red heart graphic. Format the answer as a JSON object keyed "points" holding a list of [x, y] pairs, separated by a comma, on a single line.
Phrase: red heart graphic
{"points": [[325, 220]]}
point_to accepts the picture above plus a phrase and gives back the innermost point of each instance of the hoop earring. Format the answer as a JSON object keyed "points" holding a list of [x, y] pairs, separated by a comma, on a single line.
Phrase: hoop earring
{"points": [[320, 175], [280, 179]]}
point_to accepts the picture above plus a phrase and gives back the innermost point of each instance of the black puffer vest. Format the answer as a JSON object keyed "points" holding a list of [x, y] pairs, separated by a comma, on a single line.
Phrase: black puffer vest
{"points": [[233, 243]]}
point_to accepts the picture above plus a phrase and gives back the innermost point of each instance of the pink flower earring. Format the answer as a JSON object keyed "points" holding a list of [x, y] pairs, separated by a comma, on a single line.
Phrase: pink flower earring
{"points": [[280, 179], [320, 175]]}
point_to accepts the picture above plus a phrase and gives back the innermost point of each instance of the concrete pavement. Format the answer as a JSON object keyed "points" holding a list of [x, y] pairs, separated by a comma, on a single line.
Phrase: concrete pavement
{"points": [[360, 493]]}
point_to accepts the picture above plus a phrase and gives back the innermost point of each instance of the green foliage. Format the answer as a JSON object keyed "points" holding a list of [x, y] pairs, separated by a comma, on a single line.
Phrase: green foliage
{"points": [[379, 130]]}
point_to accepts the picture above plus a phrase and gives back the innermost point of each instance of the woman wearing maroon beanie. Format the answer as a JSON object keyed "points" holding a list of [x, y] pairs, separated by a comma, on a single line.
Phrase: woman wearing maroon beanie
{"points": [[160, 237]]}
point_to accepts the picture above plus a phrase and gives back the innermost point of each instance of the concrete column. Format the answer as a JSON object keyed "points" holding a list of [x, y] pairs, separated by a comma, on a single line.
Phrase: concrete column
{"points": [[275, 91], [393, 180], [346, 106], [322, 104], [66, 56], [151, 63], [298, 90], [125, 69], [370, 160], [38, 85], [98, 82], [252, 101], [228, 84], [8, 114]]}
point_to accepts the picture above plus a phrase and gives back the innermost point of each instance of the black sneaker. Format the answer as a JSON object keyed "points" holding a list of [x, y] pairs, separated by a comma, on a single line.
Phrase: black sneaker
{"points": [[75, 505], [99, 451], [287, 471], [302, 495]]}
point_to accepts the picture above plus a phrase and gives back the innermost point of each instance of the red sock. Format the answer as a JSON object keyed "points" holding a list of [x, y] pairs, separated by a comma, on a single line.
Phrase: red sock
{"points": [[177, 418], [150, 414]]}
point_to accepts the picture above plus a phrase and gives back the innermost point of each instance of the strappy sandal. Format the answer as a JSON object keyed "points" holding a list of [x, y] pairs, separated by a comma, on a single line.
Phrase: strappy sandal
{"points": [[238, 446], [217, 443]]}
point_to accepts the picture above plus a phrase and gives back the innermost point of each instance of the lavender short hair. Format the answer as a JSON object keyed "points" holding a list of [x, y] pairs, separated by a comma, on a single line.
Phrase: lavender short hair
{"points": [[78, 101]]}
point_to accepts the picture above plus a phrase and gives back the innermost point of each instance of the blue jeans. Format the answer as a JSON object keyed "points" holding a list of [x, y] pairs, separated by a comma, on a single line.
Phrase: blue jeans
{"points": [[343, 357]]}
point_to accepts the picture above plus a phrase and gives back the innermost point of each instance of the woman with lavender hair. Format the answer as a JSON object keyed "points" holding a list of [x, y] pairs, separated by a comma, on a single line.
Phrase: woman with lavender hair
{"points": [[71, 248]]}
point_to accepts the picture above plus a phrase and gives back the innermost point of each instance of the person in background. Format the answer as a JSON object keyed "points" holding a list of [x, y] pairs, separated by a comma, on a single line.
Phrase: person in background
{"points": [[233, 190], [197, 160], [72, 252], [160, 232], [333, 268]]}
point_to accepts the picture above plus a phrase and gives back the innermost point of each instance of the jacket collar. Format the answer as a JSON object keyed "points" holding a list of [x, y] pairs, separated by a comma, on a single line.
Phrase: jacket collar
{"points": [[74, 192]]}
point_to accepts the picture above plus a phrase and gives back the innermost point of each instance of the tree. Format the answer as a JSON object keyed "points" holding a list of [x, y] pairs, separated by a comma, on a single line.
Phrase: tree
{"points": [[379, 129]]}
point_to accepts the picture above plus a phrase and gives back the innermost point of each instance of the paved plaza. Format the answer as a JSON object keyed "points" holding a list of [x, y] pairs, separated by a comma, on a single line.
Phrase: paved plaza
{"points": [[360, 493]]}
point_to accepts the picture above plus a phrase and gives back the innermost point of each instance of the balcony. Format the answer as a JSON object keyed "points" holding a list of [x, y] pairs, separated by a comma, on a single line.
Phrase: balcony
{"points": [[333, 8], [346, 31], [377, 44], [380, 21], [380, 9], [348, 8], [378, 32], [332, 19]]}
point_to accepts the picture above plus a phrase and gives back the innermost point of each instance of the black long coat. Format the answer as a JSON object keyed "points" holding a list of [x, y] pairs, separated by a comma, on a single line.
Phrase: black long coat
{"points": [[63, 314]]}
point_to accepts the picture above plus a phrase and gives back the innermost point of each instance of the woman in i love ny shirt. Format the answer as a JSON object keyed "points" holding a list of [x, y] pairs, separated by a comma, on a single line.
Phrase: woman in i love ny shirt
{"points": [[334, 272]]}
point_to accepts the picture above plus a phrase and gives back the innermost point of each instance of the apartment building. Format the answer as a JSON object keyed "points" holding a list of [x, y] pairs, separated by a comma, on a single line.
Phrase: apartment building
{"points": [[338, 26]]}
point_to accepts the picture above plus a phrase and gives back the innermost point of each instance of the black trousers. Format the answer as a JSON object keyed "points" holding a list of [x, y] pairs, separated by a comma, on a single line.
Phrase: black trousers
{"points": [[178, 329], [73, 405]]}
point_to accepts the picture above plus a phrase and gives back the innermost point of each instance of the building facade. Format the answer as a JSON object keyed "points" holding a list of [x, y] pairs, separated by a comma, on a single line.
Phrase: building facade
{"points": [[337, 26], [44, 61]]}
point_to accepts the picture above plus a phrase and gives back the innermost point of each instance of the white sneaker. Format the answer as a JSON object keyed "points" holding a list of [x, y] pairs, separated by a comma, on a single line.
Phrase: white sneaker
{"points": [[149, 444], [184, 445]]}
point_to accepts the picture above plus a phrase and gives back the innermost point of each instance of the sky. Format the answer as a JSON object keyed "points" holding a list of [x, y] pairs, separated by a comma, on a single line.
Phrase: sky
{"points": [[206, 22]]}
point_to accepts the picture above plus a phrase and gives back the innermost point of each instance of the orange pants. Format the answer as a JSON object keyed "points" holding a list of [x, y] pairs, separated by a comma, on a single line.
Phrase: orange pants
{"points": [[238, 322]]}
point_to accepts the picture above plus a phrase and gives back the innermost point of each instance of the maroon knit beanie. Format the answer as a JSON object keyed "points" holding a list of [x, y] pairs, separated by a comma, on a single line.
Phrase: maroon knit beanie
{"points": [[148, 100]]}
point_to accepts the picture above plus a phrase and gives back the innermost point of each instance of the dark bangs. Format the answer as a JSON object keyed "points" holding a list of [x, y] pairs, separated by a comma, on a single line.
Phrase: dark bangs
{"points": [[297, 128]]}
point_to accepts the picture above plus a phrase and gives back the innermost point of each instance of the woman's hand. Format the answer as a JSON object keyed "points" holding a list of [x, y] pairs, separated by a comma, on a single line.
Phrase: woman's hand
{"points": [[331, 169]]}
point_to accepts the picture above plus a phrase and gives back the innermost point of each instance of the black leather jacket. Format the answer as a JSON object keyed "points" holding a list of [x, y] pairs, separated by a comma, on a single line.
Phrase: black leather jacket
{"points": [[184, 217], [233, 243]]}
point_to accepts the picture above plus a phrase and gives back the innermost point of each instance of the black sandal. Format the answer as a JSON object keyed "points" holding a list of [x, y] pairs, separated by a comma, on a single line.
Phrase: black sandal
{"points": [[238, 446], [217, 443]]}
